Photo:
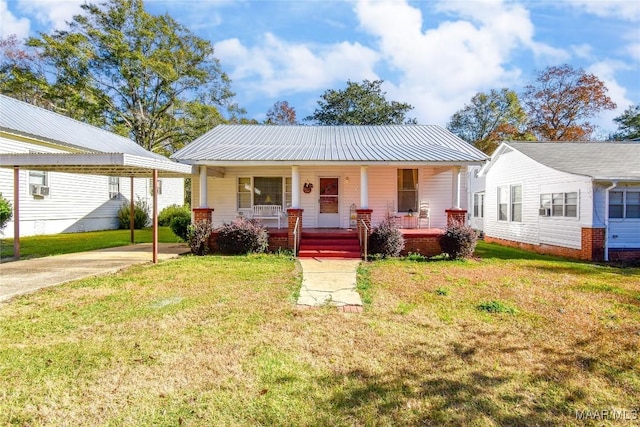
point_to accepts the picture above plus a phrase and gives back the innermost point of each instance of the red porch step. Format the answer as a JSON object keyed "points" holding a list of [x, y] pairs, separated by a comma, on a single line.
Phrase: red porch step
{"points": [[329, 245]]}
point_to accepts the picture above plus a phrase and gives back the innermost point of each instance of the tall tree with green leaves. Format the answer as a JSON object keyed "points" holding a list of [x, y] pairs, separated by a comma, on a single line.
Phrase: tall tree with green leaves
{"points": [[560, 102], [490, 118], [147, 75], [360, 104], [628, 124]]}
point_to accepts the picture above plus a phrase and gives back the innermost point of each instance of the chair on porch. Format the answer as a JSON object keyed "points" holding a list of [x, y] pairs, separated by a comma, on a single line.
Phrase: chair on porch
{"points": [[424, 212], [392, 214]]}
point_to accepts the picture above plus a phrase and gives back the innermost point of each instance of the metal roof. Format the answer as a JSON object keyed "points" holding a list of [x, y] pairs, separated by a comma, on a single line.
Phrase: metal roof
{"points": [[19, 119], [231, 144], [599, 160]]}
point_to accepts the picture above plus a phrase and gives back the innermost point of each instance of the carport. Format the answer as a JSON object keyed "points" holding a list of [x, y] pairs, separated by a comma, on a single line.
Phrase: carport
{"points": [[108, 164]]}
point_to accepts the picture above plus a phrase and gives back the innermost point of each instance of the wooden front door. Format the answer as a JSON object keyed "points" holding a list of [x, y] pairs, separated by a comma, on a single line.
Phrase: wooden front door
{"points": [[329, 203]]}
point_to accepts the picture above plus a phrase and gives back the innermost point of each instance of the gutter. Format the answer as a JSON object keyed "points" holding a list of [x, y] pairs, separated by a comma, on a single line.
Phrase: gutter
{"points": [[613, 185]]}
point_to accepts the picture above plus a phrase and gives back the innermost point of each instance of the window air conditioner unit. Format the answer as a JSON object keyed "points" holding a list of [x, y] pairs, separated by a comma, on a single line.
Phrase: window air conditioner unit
{"points": [[39, 190], [544, 212]]}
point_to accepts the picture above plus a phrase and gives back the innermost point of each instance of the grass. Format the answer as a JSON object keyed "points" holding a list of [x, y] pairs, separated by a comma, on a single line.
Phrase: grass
{"points": [[56, 244], [218, 341]]}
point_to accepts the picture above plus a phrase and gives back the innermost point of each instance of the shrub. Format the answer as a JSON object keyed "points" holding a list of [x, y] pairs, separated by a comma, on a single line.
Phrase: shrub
{"points": [[166, 215], [141, 217], [386, 239], [180, 225], [459, 241], [243, 236], [442, 291], [6, 212], [198, 237], [496, 307]]}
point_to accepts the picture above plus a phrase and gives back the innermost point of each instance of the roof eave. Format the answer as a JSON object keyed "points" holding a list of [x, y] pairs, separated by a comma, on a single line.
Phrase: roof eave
{"points": [[280, 163]]}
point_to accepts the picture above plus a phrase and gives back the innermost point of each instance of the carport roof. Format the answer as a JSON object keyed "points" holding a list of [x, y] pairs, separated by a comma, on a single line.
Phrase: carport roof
{"points": [[87, 149]]}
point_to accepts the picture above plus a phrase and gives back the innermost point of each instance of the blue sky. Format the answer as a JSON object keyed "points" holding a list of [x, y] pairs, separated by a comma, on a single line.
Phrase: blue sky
{"points": [[434, 55]]}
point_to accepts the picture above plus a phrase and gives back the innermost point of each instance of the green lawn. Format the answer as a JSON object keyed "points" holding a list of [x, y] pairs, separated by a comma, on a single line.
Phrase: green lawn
{"points": [[218, 341], [56, 244]]}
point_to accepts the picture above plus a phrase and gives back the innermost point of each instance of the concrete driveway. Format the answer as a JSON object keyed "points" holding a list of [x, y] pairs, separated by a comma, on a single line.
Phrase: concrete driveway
{"points": [[22, 277]]}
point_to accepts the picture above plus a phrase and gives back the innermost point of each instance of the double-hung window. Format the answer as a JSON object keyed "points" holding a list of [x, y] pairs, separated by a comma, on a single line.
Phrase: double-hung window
{"points": [[510, 203], [624, 204], [407, 190], [478, 205], [559, 204], [114, 187]]}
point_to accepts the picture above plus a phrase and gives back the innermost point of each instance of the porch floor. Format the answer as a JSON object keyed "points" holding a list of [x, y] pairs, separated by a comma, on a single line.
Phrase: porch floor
{"points": [[412, 232]]}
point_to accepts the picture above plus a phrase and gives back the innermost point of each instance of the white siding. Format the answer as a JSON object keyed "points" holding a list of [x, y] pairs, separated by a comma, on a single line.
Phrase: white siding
{"points": [[514, 168], [624, 233], [435, 185], [76, 202]]}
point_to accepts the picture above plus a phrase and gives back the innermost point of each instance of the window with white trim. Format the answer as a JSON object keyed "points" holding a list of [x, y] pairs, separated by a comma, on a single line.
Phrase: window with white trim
{"points": [[478, 204], [407, 190], [114, 187], [516, 203], [38, 183], [151, 186], [263, 190], [510, 203], [624, 204], [559, 204]]}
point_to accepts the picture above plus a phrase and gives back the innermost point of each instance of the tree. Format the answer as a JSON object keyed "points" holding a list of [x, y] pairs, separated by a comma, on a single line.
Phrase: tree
{"points": [[360, 104], [146, 75], [21, 75], [281, 114], [628, 124], [561, 100], [489, 119]]}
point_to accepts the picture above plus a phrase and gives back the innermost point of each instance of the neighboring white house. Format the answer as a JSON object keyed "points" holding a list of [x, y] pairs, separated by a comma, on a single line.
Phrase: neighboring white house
{"points": [[330, 172], [55, 202], [576, 199]]}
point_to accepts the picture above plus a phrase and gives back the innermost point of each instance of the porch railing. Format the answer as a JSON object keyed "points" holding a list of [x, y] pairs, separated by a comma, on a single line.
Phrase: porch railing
{"points": [[296, 236]]}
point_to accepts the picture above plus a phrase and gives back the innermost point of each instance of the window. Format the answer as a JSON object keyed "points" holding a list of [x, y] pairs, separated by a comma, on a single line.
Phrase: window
{"points": [[478, 205], [516, 203], [624, 204], [263, 190], [503, 201], [244, 193], [633, 204], [151, 186], [114, 187], [559, 204], [407, 190], [38, 181]]}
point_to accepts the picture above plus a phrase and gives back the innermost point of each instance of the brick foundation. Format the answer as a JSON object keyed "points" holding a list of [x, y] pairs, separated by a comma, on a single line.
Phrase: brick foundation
{"points": [[277, 240], [624, 255], [202, 214], [456, 216], [423, 244], [592, 246]]}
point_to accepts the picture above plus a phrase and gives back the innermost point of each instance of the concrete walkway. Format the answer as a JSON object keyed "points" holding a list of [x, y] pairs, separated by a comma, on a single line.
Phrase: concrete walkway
{"points": [[329, 281], [21, 277]]}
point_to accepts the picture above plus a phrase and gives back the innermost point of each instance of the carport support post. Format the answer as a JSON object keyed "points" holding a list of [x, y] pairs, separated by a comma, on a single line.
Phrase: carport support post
{"points": [[132, 210], [16, 212], [155, 216]]}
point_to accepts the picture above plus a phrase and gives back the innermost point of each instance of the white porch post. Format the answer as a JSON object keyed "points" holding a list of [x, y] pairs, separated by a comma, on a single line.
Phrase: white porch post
{"points": [[204, 203], [295, 187], [155, 215], [364, 187], [456, 187]]}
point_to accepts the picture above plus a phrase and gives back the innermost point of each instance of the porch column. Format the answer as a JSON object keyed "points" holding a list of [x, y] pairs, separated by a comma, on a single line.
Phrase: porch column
{"points": [[16, 213], [203, 187], [132, 210], [293, 233], [295, 187], [364, 187], [456, 187]]}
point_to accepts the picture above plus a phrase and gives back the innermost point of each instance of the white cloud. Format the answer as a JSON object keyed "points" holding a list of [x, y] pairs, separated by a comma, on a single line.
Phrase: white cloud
{"points": [[10, 24], [51, 14], [605, 70], [628, 10], [443, 67], [275, 66]]}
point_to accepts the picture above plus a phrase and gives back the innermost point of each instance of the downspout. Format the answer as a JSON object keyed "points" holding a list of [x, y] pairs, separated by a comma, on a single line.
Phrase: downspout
{"points": [[613, 185]]}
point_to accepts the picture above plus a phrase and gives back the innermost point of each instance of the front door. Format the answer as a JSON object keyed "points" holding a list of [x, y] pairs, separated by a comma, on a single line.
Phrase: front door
{"points": [[329, 212]]}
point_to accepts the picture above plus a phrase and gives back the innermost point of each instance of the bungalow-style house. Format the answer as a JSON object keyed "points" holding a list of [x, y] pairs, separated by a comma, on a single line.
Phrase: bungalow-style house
{"points": [[36, 145], [574, 199], [338, 178]]}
